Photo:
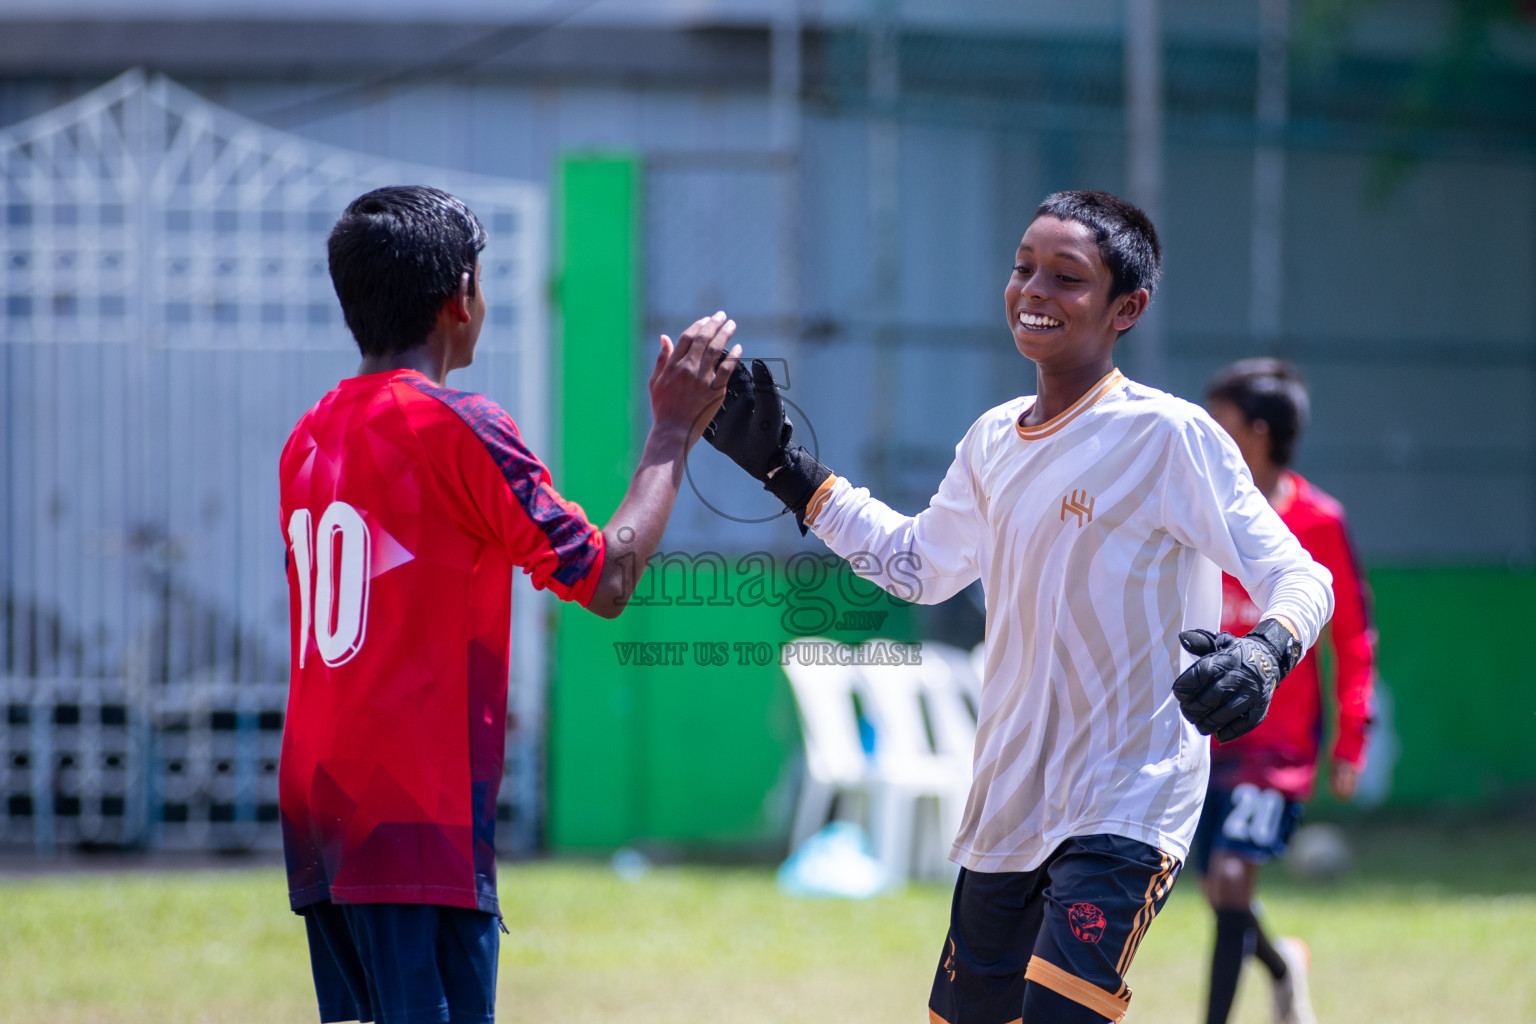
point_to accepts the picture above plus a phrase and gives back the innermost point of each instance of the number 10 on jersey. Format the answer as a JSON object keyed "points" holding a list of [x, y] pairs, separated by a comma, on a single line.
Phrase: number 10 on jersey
{"points": [[332, 565]]}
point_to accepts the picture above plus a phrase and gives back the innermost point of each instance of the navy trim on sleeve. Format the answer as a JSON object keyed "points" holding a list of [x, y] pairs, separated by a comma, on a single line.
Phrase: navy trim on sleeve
{"points": [[569, 536]]}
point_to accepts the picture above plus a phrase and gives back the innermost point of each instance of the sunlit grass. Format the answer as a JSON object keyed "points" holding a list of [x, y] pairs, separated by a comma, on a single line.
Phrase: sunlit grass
{"points": [[1436, 925]]}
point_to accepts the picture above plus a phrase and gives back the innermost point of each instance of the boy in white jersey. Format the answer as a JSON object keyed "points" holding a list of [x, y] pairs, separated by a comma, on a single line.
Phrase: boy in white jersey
{"points": [[1099, 515]]}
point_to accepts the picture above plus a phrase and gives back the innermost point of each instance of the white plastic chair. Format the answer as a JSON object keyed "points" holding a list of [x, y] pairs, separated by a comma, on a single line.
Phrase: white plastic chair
{"points": [[835, 762], [954, 695], [911, 764]]}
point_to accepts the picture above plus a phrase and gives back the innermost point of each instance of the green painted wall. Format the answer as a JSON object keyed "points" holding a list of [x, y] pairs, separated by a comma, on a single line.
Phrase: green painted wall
{"points": [[710, 734], [710, 745], [699, 748], [592, 741], [1463, 685]]}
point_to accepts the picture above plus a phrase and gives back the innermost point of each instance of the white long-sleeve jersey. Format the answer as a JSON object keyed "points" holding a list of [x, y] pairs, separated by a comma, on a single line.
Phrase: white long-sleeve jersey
{"points": [[1097, 536]]}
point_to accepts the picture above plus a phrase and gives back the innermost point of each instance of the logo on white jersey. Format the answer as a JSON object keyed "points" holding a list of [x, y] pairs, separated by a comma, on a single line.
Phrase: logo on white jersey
{"points": [[1079, 504]]}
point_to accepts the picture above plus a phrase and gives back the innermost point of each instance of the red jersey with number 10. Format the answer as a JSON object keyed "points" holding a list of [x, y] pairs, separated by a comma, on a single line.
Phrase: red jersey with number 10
{"points": [[406, 507], [1282, 752]]}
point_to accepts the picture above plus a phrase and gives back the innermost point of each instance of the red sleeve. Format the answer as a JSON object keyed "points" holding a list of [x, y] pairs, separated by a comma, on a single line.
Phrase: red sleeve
{"points": [[1353, 637], [512, 495]]}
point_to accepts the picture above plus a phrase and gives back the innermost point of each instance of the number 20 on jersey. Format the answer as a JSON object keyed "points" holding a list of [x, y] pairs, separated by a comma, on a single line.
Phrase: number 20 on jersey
{"points": [[331, 560]]}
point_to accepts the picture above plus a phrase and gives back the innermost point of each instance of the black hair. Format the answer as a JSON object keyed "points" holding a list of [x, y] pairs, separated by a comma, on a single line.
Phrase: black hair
{"points": [[397, 254], [1127, 240], [1266, 389]]}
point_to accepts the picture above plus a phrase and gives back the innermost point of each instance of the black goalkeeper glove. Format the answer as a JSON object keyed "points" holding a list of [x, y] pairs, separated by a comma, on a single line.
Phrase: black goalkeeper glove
{"points": [[750, 427], [1227, 692]]}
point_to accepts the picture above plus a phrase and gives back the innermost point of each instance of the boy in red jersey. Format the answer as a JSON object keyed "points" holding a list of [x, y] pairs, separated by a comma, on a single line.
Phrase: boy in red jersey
{"points": [[407, 505], [1258, 781]]}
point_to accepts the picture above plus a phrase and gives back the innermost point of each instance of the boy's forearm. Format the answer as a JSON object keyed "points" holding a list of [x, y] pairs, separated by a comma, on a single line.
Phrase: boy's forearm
{"points": [[1350, 738], [916, 561], [862, 524], [1302, 599], [633, 534]]}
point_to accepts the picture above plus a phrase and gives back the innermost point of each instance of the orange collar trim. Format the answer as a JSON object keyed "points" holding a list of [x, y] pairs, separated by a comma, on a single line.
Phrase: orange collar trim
{"points": [[1111, 380]]}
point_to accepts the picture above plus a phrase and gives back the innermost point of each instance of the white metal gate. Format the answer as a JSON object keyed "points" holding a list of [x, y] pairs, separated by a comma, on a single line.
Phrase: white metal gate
{"points": [[167, 316]]}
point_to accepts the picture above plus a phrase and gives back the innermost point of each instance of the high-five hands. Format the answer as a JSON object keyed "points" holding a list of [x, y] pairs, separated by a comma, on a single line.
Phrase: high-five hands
{"points": [[751, 428], [1227, 692], [687, 386]]}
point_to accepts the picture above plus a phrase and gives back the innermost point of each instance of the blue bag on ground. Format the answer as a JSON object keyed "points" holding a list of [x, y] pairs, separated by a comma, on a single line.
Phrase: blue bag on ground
{"points": [[834, 862]]}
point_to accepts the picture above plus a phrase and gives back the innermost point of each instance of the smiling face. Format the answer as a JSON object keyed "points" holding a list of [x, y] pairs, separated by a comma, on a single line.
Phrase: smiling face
{"points": [[1058, 301]]}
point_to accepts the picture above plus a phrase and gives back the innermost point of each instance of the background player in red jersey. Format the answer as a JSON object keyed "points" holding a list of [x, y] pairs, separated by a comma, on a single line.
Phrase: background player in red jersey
{"points": [[407, 505], [1258, 781]]}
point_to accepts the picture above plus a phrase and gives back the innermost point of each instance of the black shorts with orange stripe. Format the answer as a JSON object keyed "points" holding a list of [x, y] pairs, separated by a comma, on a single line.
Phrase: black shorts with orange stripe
{"points": [[1052, 944]]}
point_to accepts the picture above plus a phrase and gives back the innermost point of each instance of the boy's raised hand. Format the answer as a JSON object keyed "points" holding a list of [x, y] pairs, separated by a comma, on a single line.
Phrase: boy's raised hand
{"points": [[1227, 691], [688, 381]]}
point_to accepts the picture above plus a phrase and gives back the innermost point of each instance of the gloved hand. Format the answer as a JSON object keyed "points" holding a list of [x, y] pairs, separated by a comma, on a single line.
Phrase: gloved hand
{"points": [[750, 427], [1227, 692]]}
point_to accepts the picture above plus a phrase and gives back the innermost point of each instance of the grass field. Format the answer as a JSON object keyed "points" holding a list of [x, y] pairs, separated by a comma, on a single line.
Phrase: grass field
{"points": [[1435, 925]]}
